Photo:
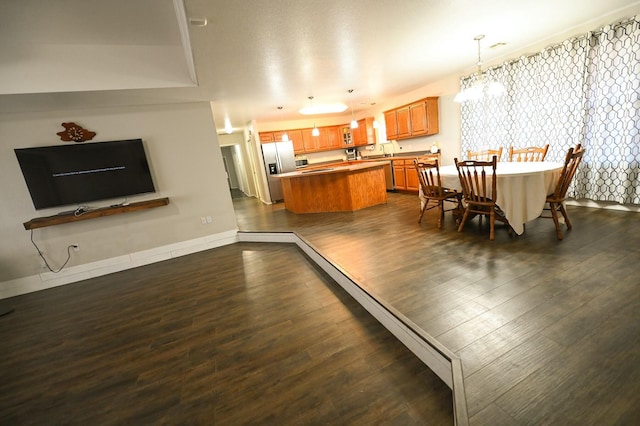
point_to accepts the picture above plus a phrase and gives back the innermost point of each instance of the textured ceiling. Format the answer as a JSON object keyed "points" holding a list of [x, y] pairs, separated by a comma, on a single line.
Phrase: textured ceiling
{"points": [[255, 55]]}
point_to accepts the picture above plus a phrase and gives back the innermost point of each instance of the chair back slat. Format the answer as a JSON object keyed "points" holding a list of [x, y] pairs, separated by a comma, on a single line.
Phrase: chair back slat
{"points": [[478, 194], [429, 177], [432, 190], [531, 153], [485, 155], [571, 163], [473, 180]]}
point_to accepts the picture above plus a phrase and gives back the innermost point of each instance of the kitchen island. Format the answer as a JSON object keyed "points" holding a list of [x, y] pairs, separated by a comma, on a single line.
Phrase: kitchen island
{"points": [[335, 188]]}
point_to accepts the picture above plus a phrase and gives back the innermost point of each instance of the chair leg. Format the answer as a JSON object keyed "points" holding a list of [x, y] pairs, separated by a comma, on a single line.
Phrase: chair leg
{"points": [[424, 208], [440, 213], [554, 215], [492, 222], [464, 219], [564, 214], [458, 212]]}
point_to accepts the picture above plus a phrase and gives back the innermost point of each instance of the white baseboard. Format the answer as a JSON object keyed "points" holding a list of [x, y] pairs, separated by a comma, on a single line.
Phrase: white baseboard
{"points": [[604, 205], [98, 268]]}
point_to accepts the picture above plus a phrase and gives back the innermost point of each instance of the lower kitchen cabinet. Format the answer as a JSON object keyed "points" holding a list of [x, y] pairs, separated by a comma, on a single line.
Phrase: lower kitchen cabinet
{"points": [[405, 175]]}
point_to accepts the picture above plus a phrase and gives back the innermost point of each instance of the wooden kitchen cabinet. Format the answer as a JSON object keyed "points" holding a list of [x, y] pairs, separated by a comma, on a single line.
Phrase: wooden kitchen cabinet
{"points": [[311, 143], [365, 134], [405, 175], [431, 112], [399, 176], [278, 136], [330, 138], [334, 139], [295, 136], [391, 124], [419, 118], [347, 138], [413, 183], [266, 137], [404, 122]]}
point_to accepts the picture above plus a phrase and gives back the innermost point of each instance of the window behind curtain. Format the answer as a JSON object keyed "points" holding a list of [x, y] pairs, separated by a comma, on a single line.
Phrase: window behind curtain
{"points": [[584, 90]]}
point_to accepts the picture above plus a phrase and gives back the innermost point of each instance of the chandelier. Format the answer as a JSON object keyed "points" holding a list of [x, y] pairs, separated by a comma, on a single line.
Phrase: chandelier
{"points": [[481, 86]]}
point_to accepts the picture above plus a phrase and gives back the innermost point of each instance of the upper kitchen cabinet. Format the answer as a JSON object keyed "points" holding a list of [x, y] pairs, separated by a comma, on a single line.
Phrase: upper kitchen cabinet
{"points": [[328, 139], [334, 139], [404, 122], [391, 124], [279, 136], [295, 136], [364, 134], [347, 138], [311, 143], [419, 118], [266, 137]]}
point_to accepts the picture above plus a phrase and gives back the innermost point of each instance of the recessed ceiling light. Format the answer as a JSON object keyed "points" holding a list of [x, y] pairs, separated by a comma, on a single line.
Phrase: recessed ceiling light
{"points": [[228, 128], [198, 22], [323, 109]]}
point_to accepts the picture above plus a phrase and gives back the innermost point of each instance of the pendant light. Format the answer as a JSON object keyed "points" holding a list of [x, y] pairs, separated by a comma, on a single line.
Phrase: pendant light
{"points": [[481, 85], [354, 123], [285, 136], [315, 131], [375, 122]]}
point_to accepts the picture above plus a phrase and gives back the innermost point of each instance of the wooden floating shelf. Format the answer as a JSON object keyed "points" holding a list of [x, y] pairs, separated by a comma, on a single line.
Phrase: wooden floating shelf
{"points": [[41, 222]]}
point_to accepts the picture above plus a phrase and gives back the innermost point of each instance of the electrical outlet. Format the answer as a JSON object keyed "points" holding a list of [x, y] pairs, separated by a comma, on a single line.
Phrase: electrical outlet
{"points": [[209, 219], [203, 220]]}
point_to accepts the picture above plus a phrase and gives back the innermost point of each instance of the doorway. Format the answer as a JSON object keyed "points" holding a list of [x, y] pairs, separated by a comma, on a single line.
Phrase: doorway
{"points": [[230, 160]]}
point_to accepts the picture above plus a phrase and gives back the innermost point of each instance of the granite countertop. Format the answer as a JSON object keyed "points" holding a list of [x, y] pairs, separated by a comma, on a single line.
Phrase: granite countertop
{"points": [[386, 158], [333, 168]]}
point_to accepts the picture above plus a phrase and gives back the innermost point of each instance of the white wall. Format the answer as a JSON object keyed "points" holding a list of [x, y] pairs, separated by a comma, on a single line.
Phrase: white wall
{"points": [[186, 163]]}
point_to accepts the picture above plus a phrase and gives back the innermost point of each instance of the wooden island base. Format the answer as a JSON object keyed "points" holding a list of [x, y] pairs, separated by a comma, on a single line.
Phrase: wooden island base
{"points": [[336, 189]]}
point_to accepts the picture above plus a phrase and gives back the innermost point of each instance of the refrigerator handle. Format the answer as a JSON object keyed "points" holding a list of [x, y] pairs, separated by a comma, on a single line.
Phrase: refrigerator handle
{"points": [[278, 161]]}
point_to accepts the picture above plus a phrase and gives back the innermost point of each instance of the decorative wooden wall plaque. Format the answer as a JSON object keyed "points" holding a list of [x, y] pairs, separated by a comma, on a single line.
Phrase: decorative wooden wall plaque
{"points": [[74, 132]]}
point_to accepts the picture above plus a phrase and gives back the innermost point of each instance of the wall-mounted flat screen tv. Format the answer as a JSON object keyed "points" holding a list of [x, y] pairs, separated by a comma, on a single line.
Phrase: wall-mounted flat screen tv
{"points": [[63, 175]]}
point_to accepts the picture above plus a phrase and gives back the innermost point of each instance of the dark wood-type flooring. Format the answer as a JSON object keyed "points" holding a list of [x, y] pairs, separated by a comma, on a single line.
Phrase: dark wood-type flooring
{"points": [[548, 331], [243, 334]]}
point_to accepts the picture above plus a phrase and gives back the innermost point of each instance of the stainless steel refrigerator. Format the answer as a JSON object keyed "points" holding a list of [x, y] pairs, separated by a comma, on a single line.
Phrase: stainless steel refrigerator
{"points": [[278, 158]]}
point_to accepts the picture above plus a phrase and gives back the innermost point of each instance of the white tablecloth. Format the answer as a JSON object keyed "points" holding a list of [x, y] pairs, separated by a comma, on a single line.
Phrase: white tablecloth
{"points": [[522, 188]]}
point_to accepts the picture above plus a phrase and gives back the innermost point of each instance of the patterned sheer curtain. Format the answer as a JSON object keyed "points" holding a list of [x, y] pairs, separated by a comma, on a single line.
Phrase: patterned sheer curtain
{"points": [[611, 165], [584, 90]]}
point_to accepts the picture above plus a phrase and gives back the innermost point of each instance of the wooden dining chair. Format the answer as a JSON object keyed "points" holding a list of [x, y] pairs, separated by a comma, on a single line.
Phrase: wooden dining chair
{"points": [[530, 153], [432, 190], [478, 194], [484, 155], [555, 200]]}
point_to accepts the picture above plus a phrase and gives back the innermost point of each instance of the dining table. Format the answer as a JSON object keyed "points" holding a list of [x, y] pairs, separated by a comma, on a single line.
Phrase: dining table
{"points": [[522, 188]]}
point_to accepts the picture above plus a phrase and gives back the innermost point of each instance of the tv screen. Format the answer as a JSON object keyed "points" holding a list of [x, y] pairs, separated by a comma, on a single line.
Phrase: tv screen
{"points": [[62, 175]]}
